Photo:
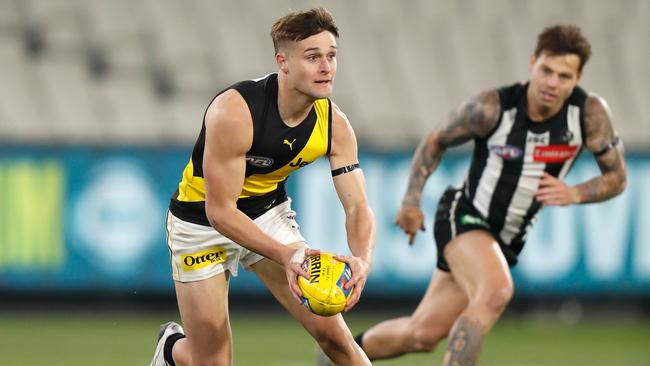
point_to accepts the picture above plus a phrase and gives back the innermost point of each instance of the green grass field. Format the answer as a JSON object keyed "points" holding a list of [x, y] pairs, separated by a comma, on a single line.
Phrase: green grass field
{"points": [[128, 339]]}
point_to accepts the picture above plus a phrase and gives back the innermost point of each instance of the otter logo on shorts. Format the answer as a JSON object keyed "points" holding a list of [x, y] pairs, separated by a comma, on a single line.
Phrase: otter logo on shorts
{"points": [[192, 262]]}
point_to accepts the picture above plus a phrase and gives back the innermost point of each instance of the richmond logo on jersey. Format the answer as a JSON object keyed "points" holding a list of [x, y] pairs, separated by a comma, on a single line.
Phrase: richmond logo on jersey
{"points": [[507, 152]]}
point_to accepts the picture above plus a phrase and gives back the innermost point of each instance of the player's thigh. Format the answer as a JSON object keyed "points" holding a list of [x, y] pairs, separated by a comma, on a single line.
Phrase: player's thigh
{"points": [[274, 278], [203, 307], [442, 303], [477, 263]]}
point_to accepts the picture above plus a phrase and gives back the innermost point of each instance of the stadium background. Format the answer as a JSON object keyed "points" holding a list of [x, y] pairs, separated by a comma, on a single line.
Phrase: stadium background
{"points": [[101, 101]]}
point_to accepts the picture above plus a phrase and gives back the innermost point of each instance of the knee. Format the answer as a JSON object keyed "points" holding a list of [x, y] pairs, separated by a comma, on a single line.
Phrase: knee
{"points": [[425, 341], [333, 338], [495, 298]]}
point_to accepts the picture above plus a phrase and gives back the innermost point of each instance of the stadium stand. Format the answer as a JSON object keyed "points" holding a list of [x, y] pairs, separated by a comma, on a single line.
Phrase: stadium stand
{"points": [[123, 72]]}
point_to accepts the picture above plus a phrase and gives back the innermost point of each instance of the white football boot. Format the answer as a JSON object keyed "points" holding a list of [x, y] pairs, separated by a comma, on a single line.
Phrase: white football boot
{"points": [[166, 330]]}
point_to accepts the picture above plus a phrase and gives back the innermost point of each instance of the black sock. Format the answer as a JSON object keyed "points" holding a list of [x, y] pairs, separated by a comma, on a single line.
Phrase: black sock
{"points": [[359, 339], [169, 344]]}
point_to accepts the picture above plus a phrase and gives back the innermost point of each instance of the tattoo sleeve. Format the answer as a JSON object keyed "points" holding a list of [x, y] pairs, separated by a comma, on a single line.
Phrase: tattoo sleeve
{"points": [[464, 343], [475, 117], [608, 152]]}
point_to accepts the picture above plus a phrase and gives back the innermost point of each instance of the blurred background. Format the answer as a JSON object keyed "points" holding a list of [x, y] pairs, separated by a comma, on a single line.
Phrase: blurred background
{"points": [[101, 102]]}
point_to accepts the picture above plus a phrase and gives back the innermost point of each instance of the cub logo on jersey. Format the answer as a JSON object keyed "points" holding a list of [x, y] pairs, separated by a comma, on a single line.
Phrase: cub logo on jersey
{"points": [[554, 153], [507, 152], [259, 161]]}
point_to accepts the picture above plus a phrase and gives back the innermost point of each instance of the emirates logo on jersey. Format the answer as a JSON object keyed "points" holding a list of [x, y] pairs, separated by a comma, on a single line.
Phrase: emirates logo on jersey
{"points": [[507, 152], [554, 153]]}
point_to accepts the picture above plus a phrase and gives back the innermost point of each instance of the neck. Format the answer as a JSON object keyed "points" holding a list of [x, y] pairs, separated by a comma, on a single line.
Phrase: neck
{"points": [[293, 105]]}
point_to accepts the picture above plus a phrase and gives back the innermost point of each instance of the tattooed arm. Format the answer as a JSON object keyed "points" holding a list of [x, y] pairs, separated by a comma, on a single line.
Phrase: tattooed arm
{"points": [[601, 140], [608, 151], [475, 117]]}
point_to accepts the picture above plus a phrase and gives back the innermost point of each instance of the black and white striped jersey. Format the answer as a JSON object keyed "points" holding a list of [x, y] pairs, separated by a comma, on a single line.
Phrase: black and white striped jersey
{"points": [[508, 164]]}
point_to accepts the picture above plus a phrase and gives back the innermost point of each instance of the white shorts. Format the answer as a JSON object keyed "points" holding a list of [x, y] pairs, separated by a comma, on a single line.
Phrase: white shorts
{"points": [[198, 252]]}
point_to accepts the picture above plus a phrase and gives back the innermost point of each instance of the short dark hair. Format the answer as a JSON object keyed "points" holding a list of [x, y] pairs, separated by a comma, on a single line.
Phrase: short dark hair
{"points": [[299, 25], [562, 39]]}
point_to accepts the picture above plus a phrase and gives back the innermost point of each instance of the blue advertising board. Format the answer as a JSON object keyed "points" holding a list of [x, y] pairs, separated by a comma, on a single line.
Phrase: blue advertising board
{"points": [[89, 219]]}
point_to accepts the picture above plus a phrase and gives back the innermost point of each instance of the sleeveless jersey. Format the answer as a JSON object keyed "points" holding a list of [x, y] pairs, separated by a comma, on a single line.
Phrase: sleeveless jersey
{"points": [[277, 150], [508, 164]]}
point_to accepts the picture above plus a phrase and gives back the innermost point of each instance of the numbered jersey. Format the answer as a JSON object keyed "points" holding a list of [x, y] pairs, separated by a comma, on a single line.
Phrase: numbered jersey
{"points": [[276, 152]]}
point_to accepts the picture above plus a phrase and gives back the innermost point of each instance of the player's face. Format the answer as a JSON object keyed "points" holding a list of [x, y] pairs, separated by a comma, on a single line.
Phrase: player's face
{"points": [[553, 78], [311, 65]]}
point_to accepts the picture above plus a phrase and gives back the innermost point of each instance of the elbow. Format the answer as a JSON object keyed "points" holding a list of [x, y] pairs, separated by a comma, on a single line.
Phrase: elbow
{"points": [[618, 183], [622, 183], [363, 219], [216, 217], [361, 210], [214, 220]]}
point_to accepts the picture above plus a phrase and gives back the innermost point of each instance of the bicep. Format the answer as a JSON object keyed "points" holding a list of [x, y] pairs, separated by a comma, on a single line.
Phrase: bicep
{"points": [[600, 137], [228, 136], [348, 181], [344, 151], [224, 171], [599, 131]]}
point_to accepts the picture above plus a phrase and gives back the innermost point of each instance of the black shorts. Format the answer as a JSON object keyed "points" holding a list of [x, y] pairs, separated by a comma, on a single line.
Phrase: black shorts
{"points": [[454, 204]]}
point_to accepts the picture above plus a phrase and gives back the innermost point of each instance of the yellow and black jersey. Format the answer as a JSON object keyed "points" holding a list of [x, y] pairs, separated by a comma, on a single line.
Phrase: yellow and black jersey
{"points": [[276, 152]]}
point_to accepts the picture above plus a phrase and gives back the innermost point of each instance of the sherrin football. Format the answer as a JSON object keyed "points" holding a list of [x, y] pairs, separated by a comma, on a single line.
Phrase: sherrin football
{"points": [[324, 293]]}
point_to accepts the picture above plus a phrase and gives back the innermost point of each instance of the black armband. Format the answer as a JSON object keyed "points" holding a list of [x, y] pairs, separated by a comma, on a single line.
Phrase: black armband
{"points": [[611, 144], [345, 169]]}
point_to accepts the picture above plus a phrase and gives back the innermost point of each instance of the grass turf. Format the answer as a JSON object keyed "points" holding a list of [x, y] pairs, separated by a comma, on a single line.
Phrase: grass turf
{"points": [[275, 339]]}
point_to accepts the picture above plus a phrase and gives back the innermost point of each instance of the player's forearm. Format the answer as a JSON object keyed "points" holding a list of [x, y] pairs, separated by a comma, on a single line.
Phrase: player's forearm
{"points": [[601, 188], [360, 228], [238, 227], [425, 161]]}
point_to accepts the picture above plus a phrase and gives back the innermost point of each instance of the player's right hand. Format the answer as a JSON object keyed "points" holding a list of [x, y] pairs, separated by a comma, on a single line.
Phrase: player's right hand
{"points": [[293, 269], [410, 219], [360, 269]]}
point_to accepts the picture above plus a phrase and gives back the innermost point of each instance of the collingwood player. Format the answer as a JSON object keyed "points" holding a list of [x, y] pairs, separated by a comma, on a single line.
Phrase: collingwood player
{"points": [[527, 136]]}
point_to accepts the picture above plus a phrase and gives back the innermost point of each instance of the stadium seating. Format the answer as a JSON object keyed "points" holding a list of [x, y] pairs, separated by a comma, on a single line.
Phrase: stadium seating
{"points": [[124, 72]]}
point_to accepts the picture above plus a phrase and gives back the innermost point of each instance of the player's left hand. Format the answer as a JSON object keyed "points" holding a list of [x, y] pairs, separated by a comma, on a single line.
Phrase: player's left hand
{"points": [[554, 192], [360, 270]]}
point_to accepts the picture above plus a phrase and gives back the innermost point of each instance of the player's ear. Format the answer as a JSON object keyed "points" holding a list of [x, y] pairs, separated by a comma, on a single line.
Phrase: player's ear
{"points": [[281, 60], [531, 62]]}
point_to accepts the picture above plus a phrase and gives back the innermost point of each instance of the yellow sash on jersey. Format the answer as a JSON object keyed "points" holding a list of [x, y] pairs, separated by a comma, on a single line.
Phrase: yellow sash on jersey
{"points": [[192, 189]]}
